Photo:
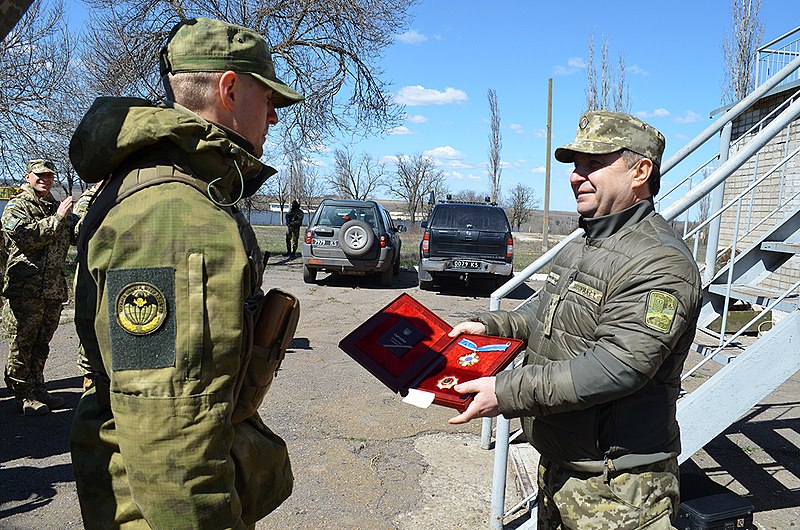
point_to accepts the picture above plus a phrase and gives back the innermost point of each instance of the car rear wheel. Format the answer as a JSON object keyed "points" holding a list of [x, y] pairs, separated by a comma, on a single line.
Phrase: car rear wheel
{"points": [[356, 237], [309, 275], [396, 267]]}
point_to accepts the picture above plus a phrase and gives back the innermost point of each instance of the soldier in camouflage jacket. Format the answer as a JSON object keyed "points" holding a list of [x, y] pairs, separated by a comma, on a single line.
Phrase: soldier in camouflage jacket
{"points": [[169, 274], [607, 337], [37, 232]]}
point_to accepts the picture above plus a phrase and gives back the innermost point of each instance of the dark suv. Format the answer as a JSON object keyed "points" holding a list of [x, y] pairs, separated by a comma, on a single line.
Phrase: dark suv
{"points": [[352, 237], [466, 240]]}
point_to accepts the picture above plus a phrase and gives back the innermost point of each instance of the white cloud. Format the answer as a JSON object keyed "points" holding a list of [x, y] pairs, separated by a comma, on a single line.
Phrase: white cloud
{"points": [[541, 170], [445, 152], [419, 95], [541, 133], [517, 128], [402, 130], [657, 113], [456, 164], [418, 118], [412, 36], [690, 117], [474, 177], [505, 165], [574, 64], [636, 70], [455, 175]]}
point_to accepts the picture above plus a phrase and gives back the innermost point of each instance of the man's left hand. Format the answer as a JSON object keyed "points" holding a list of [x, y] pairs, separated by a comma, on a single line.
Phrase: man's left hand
{"points": [[484, 405]]}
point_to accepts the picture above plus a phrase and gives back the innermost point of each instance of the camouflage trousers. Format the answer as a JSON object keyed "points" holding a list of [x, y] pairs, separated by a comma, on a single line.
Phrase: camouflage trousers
{"points": [[644, 497], [29, 325], [292, 235]]}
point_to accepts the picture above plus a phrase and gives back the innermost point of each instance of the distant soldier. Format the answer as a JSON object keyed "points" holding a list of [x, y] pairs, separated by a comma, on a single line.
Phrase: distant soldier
{"points": [[37, 231], [80, 208], [294, 219]]}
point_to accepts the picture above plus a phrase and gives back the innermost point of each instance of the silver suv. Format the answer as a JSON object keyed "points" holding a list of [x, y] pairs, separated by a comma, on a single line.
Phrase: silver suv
{"points": [[352, 237]]}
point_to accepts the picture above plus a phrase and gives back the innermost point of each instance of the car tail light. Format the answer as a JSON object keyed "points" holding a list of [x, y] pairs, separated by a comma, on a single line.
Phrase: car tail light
{"points": [[510, 248], [308, 236], [384, 241], [426, 243]]}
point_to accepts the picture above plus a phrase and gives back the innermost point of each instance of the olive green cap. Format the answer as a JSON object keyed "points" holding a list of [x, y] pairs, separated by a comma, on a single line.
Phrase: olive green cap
{"points": [[603, 131], [40, 165], [207, 45]]}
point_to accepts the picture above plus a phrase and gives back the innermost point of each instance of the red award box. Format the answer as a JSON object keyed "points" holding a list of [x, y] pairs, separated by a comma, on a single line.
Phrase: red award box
{"points": [[406, 346]]}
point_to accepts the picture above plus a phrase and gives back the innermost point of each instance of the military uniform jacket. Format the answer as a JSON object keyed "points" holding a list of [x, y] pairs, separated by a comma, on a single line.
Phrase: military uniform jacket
{"points": [[37, 240], [166, 286], [607, 339], [294, 218]]}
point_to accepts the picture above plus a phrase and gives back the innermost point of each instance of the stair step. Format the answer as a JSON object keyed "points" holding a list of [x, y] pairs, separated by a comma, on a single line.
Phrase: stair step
{"points": [[758, 295], [785, 247]]}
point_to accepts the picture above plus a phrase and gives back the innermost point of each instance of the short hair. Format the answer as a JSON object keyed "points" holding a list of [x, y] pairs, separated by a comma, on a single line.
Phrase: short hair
{"points": [[193, 90], [654, 182]]}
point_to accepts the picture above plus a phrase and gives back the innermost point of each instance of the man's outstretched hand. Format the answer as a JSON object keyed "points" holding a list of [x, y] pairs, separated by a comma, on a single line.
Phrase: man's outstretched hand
{"points": [[485, 403]]}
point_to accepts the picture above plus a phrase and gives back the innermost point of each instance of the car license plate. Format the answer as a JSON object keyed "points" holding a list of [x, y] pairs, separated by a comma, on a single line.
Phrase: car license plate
{"points": [[465, 264], [325, 242]]}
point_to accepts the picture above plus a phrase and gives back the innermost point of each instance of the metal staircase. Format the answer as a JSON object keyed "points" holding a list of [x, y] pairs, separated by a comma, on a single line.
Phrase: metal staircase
{"points": [[745, 278]]}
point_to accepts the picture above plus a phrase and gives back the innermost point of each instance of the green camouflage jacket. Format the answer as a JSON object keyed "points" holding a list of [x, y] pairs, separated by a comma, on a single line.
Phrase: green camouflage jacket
{"points": [[607, 339], [294, 218], [166, 283], [36, 241]]}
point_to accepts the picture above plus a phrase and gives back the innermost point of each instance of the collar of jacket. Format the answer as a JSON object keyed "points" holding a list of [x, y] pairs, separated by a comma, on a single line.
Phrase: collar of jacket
{"points": [[46, 200], [608, 225], [115, 129]]}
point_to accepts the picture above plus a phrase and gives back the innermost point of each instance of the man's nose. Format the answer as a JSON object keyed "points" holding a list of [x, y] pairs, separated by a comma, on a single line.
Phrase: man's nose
{"points": [[272, 115]]}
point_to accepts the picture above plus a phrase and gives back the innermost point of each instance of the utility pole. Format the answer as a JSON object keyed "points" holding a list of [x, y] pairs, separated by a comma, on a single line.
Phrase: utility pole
{"points": [[546, 216]]}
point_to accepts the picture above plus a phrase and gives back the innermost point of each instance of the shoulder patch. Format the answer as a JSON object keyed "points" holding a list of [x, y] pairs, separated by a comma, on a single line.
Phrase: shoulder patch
{"points": [[660, 312], [11, 223], [141, 316]]}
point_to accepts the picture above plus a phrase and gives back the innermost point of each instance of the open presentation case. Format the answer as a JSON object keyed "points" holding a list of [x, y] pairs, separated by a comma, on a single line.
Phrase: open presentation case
{"points": [[407, 348]]}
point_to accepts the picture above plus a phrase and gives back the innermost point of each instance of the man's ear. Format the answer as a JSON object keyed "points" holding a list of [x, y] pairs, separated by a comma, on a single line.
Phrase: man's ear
{"points": [[641, 175], [228, 87]]}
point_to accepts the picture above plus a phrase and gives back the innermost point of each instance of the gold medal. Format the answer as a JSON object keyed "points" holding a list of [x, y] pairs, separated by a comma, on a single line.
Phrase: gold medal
{"points": [[468, 359]]}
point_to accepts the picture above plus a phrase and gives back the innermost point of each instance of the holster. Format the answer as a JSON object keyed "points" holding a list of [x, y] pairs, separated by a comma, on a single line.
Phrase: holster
{"points": [[271, 329]]}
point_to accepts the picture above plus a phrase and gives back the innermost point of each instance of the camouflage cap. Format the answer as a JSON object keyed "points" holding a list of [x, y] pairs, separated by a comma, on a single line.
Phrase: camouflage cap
{"points": [[207, 45], [40, 165], [602, 131]]}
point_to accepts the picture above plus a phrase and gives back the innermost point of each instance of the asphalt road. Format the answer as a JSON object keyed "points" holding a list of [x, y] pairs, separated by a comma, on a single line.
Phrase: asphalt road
{"points": [[363, 459]]}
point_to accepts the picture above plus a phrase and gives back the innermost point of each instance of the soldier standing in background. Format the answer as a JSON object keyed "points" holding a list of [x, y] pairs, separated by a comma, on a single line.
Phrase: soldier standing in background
{"points": [[294, 219], [80, 208], [37, 232]]}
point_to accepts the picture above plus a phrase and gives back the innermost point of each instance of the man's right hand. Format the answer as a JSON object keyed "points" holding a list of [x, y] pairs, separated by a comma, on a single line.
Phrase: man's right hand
{"points": [[472, 328], [65, 207]]}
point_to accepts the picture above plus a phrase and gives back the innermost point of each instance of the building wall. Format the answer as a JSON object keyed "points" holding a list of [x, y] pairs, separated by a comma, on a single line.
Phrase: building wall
{"points": [[775, 190]]}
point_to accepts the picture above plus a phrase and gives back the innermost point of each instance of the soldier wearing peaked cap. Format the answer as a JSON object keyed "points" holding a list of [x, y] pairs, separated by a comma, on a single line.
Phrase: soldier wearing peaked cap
{"points": [[607, 338], [37, 231], [169, 282]]}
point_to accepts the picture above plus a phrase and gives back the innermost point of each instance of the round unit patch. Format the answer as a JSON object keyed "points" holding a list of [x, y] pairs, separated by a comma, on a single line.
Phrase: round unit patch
{"points": [[141, 308]]}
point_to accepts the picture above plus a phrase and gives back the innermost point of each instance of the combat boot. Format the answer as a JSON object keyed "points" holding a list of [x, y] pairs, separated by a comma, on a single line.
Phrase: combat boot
{"points": [[42, 395], [33, 407]]}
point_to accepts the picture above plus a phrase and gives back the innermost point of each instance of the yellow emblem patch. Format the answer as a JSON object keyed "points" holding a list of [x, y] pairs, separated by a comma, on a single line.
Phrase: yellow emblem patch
{"points": [[661, 308], [141, 308]]}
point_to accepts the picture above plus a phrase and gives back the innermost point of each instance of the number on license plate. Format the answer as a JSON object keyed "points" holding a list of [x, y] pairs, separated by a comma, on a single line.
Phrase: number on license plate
{"points": [[465, 264], [325, 242]]}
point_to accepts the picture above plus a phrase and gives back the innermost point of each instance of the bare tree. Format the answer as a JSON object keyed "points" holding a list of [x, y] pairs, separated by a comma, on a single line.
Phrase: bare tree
{"points": [[355, 177], [416, 177], [612, 92], [35, 88], [277, 188], [330, 50], [495, 144], [521, 201], [471, 196], [739, 50], [312, 186]]}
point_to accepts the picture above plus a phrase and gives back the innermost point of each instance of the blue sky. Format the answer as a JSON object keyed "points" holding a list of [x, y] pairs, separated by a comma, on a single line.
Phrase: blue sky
{"points": [[455, 51]]}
